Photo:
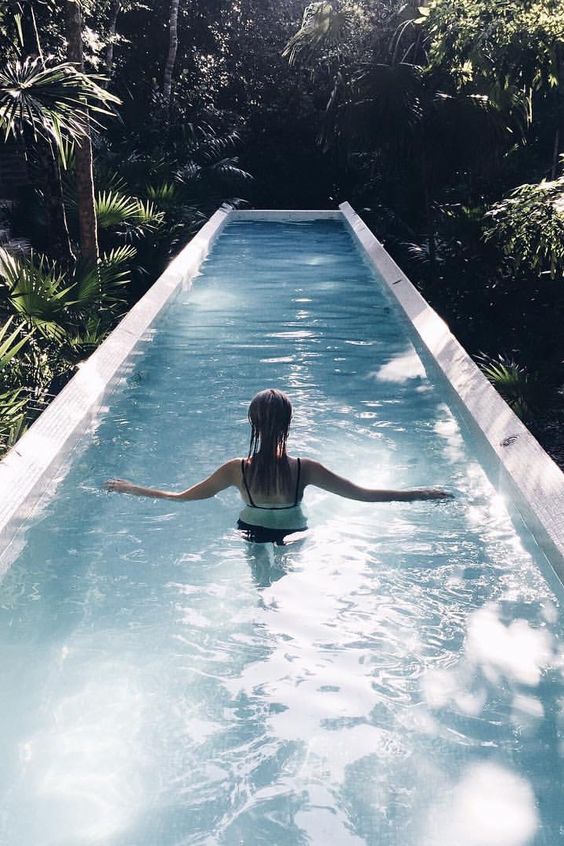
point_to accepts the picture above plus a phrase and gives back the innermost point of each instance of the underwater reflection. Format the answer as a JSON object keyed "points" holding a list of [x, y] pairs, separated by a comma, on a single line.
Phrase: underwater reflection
{"points": [[269, 563]]}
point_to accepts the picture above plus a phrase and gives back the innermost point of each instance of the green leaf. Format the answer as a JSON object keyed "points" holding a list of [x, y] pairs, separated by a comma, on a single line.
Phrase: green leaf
{"points": [[9, 346], [113, 209]]}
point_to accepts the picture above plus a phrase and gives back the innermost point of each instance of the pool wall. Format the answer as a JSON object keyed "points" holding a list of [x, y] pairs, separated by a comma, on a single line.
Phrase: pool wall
{"points": [[514, 460]]}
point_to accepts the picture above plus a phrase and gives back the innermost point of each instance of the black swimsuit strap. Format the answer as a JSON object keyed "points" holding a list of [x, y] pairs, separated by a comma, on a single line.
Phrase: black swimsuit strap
{"points": [[297, 483], [245, 483], [274, 507]]}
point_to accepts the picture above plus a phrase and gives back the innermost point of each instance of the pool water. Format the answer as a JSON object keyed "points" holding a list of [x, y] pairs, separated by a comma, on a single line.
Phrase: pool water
{"points": [[393, 679]]}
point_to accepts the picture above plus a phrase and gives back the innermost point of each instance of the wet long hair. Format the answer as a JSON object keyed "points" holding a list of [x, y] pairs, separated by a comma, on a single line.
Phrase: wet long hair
{"points": [[270, 413]]}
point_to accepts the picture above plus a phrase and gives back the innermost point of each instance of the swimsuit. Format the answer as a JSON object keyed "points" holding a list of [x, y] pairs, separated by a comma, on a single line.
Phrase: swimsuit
{"points": [[266, 534]]}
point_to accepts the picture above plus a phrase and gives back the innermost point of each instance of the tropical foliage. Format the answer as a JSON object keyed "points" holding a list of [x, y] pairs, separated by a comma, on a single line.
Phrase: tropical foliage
{"points": [[529, 227], [518, 388]]}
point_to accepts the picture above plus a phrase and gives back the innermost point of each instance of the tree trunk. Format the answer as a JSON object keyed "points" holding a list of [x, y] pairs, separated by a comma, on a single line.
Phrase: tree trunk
{"points": [[116, 6], [59, 244], [84, 170], [172, 48]]}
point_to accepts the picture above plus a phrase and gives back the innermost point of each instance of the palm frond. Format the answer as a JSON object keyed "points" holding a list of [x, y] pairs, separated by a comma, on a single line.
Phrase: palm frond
{"points": [[513, 381], [53, 102], [228, 168], [99, 285], [163, 194], [129, 216], [113, 209], [12, 417], [114, 271], [322, 26], [90, 335], [37, 290], [11, 344], [148, 216], [189, 173]]}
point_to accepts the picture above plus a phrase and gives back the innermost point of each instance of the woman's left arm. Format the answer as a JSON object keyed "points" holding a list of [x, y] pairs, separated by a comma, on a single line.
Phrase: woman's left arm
{"points": [[220, 479]]}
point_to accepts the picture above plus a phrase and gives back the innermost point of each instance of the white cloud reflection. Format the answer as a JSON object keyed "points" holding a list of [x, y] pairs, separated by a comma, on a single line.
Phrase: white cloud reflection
{"points": [[490, 806], [448, 431], [517, 652], [493, 651], [401, 368]]}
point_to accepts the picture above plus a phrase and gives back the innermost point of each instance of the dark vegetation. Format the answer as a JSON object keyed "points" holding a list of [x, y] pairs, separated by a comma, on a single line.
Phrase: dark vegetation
{"points": [[125, 123]]}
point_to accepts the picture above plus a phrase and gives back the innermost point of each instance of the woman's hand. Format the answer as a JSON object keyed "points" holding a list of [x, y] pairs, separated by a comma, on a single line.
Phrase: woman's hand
{"points": [[432, 493], [119, 486]]}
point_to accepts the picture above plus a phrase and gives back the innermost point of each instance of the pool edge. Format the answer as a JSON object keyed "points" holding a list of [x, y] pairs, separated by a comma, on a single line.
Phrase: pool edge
{"points": [[26, 468], [515, 459], [295, 215]]}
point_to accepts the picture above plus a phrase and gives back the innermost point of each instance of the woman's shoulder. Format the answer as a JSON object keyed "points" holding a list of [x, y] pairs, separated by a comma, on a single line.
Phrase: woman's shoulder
{"points": [[231, 468], [308, 468], [308, 462]]}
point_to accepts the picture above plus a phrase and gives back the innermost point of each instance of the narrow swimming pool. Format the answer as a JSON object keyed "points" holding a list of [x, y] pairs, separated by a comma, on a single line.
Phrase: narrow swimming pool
{"points": [[395, 679]]}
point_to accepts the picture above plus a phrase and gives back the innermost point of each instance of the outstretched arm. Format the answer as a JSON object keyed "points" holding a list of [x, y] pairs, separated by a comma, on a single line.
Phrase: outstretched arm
{"points": [[319, 476], [222, 478]]}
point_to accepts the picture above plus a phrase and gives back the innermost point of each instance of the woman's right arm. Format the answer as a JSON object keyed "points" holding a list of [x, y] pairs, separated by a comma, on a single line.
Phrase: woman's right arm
{"points": [[319, 476], [222, 478]]}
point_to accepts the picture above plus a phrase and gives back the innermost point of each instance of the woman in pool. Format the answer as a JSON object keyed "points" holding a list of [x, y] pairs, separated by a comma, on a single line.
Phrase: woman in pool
{"points": [[271, 482]]}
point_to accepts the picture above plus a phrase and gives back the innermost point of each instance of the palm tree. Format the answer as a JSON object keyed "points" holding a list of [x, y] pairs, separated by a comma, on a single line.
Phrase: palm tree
{"points": [[84, 169], [46, 108]]}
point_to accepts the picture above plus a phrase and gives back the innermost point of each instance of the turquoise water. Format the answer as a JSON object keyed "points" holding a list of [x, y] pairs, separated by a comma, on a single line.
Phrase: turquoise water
{"points": [[395, 679]]}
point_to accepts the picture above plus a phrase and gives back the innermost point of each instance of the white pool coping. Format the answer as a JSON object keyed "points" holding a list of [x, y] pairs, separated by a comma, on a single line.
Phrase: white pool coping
{"points": [[286, 214], [29, 465], [513, 458]]}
